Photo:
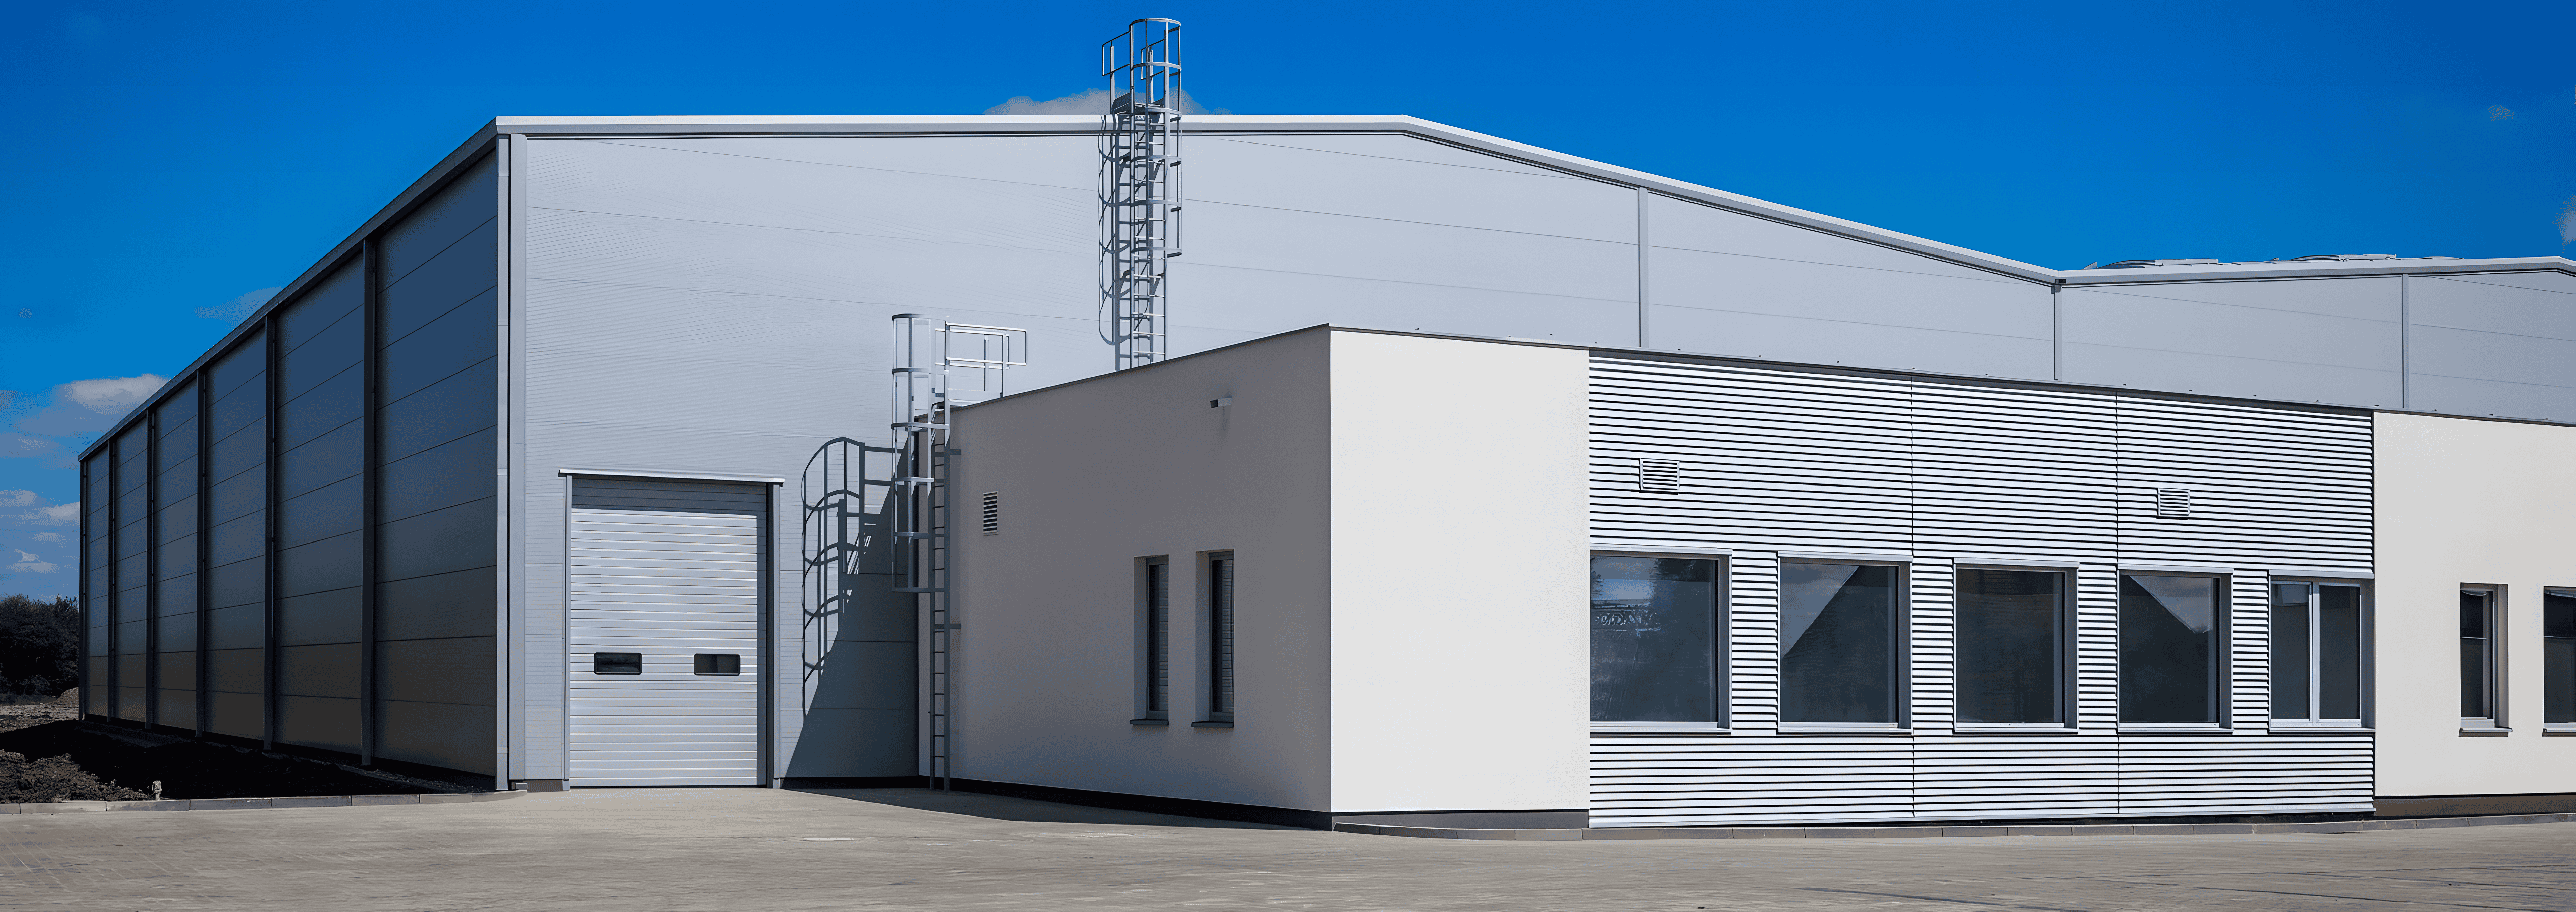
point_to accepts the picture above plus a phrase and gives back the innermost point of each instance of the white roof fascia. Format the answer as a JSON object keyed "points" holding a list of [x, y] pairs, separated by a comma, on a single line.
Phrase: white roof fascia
{"points": [[2222, 272]]}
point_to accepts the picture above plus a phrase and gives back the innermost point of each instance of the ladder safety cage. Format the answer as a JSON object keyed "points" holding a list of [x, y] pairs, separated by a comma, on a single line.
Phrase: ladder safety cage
{"points": [[938, 365], [1140, 187]]}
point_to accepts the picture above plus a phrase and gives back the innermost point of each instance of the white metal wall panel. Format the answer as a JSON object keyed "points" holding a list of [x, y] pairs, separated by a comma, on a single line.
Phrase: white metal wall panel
{"points": [[669, 570], [1943, 473]]}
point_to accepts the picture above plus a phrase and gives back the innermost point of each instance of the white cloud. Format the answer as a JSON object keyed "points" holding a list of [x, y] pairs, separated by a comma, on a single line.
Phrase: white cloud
{"points": [[91, 405], [1087, 101], [53, 537], [2499, 112], [57, 515], [239, 307], [2567, 223], [19, 498], [29, 563]]}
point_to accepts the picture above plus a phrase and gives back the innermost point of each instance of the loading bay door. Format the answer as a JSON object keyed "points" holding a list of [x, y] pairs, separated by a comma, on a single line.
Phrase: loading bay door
{"points": [[665, 596]]}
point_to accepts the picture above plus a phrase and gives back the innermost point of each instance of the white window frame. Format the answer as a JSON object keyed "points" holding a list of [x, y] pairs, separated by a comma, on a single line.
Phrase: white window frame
{"points": [[2316, 642], [1724, 647]]}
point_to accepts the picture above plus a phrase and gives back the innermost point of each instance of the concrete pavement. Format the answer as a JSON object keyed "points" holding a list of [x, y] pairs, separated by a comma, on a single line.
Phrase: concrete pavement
{"points": [[733, 849]]}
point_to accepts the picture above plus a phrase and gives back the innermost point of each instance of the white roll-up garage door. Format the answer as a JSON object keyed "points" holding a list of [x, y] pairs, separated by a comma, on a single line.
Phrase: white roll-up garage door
{"points": [[665, 597]]}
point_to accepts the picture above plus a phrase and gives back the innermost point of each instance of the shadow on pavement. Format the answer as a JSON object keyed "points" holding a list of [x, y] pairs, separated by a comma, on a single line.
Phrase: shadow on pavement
{"points": [[1022, 810]]}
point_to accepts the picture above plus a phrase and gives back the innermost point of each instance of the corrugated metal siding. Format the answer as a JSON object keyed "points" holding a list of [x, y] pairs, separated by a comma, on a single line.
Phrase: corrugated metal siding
{"points": [[669, 570], [1939, 473]]}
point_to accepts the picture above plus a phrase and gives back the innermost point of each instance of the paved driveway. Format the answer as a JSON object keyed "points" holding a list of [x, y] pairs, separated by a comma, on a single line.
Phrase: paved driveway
{"points": [[750, 849]]}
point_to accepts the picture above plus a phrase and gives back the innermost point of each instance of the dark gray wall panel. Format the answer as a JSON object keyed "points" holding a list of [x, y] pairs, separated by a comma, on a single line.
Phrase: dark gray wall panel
{"points": [[2306, 340], [460, 340], [324, 358], [236, 714], [324, 460], [436, 606], [176, 595], [238, 627], [234, 671], [440, 541], [331, 510], [320, 311], [178, 695], [323, 617], [322, 566], [456, 670], [318, 671], [458, 274], [231, 456], [325, 408], [424, 421], [179, 633], [238, 583], [324, 722], [451, 735], [442, 476], [232, 500], [129, 698], [436, 226]]}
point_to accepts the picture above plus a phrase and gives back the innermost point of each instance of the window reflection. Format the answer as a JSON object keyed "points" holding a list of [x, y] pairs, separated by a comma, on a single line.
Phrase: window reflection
{"points": [[1655, 635], [1838, 643]]}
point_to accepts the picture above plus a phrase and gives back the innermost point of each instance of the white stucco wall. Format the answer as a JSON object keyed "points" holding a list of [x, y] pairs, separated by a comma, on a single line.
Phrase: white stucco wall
{"points": [[1097, 474], [1461, 662], [2468, 502]]}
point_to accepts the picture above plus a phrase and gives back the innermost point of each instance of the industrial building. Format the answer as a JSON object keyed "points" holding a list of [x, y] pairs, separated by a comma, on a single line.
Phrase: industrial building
{"points": [[1442, 478]]}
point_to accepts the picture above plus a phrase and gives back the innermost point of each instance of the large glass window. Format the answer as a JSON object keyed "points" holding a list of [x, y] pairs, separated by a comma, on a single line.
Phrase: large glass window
{"points": [[2477, 658], [2558, 657], [1838, 644], [2169, 630], [2316, 653], [1657, 632], [2012, 646]]}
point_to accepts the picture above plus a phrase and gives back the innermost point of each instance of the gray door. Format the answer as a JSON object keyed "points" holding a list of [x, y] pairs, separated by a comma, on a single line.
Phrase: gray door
{"points": [[665, 595]]}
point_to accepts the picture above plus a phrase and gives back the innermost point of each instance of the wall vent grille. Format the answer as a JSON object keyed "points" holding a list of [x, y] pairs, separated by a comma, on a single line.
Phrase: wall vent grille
{"points": [[992, 512], [2173, 503], [1662, 476]]}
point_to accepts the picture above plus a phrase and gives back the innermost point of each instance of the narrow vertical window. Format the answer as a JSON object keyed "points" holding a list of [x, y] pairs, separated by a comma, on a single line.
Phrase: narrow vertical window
{"points": [[2169, 649], [2316, 653], [2558, 657], [2012, 646], [1838, 644], [1656, 635], [1158, 639], [1221, 638], [2477, 658]]}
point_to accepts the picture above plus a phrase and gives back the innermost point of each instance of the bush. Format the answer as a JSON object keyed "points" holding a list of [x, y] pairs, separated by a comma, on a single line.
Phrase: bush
{"points": [[39, 646], [55, 779]]}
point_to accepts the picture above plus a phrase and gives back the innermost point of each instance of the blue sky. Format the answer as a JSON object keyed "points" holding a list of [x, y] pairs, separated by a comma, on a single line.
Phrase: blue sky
{"points": [[167, 163]]}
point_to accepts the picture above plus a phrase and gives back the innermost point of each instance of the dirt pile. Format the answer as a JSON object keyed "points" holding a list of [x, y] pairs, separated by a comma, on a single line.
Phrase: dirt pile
{"points": [[188, 769], [55, 779]]}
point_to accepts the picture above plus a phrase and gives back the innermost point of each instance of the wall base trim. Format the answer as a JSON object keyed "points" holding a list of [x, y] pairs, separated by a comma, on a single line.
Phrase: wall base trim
{"points": [[1152, 804], [2398, 806], [853, 782]]}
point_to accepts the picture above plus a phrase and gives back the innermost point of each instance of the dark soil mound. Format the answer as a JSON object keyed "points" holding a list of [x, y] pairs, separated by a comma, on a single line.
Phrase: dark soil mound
{"points": [[192, 769], [54, 779]]}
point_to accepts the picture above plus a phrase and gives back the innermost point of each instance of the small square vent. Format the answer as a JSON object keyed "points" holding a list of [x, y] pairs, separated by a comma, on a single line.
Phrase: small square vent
{"points": [[2173, 503], [992, 512], [1659, 476]]}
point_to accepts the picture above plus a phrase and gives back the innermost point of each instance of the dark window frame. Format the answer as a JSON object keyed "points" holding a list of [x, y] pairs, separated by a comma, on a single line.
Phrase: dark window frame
{"points": [[2492, 647], [1154, 640], [1901, 648], [1220, 636], [1723, 668], [2068, 645], [2558, 659], [2221, 651]]}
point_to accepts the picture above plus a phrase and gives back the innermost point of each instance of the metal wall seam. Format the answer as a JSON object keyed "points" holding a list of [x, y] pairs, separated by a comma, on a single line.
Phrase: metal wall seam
{"points": [[508, 653], [268, 533], [115, 599], [1644, 250], [370, 480], [151, 568], [205, 548]]}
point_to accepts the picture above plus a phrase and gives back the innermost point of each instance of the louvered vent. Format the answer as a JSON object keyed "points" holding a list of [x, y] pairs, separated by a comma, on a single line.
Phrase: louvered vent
{"points": [[1661, 476], [2173, 503], [992, 512]]}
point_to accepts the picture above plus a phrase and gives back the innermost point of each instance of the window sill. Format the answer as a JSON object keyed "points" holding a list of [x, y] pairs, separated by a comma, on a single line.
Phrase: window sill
{"points": [[2174, 728], [2280, 729], [1149, 721], [2561, 728], [2483, 731], [1211, 724], [1975, 728], [1791, 729]]}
